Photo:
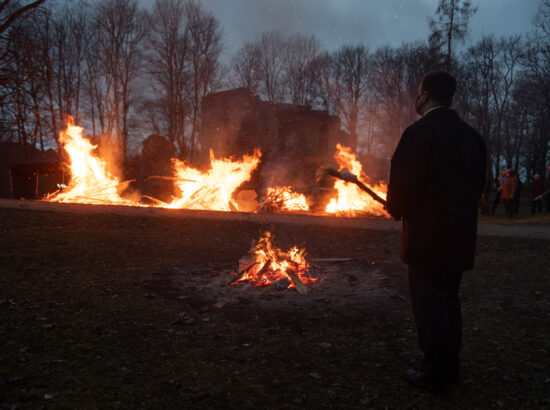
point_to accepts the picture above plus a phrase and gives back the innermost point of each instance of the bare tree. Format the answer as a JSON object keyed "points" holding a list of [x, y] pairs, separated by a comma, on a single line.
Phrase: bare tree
{"points": [[321, 72], [299, 64], [15, 11], [489, 78], [281, 69], [350, 79], [450, 25], [205, 46], [270, 69], [536, 91], [121, 27], [245, 64], [168, 44], [22, 89], [93, 74], [69, 27], [396, 75]]}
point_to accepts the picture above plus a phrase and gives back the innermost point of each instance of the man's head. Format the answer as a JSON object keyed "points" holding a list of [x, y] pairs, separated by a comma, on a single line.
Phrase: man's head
{"points": [[503, 172], [436, 88], [536, 177]]}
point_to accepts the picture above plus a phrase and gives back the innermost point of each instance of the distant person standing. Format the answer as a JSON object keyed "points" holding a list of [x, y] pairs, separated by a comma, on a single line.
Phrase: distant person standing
{"points": [[507, 194], [537, 189], [498, 193], [517, 194], [547, 191], [484, 201]]}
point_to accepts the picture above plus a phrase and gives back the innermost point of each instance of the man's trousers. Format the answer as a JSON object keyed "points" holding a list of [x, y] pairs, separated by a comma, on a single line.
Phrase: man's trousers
{"points": [[438, 318]]}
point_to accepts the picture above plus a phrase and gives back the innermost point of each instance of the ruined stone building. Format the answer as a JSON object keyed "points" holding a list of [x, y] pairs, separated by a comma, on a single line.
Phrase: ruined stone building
{"points": [[294, 139]]}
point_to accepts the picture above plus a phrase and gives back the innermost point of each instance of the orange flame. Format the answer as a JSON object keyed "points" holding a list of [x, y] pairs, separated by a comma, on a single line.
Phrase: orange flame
{"points": [[214, 189], [285, 199], [268, 264], [91, 183], [351, 199]]}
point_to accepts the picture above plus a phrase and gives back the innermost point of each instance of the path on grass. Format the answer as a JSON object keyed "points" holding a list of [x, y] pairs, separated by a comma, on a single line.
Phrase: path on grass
{"points": [[513, 230]]}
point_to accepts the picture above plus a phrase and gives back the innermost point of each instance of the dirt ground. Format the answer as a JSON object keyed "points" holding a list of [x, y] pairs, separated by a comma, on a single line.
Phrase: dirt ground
{"points": [[103, 311]]}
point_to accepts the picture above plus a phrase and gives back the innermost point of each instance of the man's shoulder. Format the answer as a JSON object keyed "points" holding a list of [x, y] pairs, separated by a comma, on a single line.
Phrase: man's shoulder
{"points": [[415, 132], [446, 117], [417, 127]]}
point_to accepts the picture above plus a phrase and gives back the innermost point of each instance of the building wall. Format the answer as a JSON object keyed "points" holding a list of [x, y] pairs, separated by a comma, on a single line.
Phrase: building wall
{"points": [[293, 138]]}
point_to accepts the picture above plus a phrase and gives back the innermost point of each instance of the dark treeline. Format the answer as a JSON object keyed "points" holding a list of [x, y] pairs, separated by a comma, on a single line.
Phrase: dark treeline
{"points": [[123, 72]]}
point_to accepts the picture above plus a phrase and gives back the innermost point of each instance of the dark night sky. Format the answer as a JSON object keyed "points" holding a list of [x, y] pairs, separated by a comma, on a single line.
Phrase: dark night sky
{"points": [[374, 22]]}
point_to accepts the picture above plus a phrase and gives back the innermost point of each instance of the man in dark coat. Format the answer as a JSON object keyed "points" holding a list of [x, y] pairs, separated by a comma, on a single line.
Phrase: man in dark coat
{"points": [[436, 179]]}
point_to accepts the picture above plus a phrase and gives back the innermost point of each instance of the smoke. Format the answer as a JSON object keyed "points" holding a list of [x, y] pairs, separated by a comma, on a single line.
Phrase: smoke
{"points": [[109, 149]]}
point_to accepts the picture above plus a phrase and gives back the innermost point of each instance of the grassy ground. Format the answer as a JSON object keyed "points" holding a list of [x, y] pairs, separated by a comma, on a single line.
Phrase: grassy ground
{"points": [[524, 215], [91, 319]]}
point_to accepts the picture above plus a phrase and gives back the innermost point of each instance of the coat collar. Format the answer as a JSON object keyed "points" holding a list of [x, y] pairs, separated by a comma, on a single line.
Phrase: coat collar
{"points": [[441, 112]]}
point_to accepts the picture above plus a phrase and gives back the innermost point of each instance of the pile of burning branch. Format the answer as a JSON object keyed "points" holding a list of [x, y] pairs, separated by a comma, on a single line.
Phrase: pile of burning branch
{"points": [[266, 265], [283, 199], [217, 188]]}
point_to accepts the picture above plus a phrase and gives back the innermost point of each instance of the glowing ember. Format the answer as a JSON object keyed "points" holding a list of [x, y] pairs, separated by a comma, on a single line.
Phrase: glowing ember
{"points": [[351, 199], [214, 189], [267, 264], [285, 199], [91, 183]]}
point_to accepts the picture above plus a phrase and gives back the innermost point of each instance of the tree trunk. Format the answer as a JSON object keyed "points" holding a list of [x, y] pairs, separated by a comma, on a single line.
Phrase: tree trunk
{"points": [[450, 37]]}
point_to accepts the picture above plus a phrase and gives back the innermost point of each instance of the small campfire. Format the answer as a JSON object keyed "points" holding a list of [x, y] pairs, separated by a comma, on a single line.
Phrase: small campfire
{"points": [[267, 265]]}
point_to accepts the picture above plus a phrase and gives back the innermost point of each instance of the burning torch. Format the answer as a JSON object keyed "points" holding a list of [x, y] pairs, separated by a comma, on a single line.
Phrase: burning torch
{"points": [[347, 176]]}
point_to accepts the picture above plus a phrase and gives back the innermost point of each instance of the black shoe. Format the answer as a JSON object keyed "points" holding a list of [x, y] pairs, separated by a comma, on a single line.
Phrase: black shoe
{"points": [[424, 381]]}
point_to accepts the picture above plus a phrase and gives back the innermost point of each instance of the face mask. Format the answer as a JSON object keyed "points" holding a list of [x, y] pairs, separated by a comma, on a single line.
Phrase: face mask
{"points": [[418, 105]]}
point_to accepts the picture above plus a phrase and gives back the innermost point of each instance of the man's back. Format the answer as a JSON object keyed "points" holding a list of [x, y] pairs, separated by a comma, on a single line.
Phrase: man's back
{"points": [[436, 179], [438, 194]]}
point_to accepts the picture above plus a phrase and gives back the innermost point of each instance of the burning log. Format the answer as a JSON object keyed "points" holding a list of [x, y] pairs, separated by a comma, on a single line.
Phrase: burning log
{"points": [[298, 284], [347, 176], [242, 273], [153, 200], [284, 199]]}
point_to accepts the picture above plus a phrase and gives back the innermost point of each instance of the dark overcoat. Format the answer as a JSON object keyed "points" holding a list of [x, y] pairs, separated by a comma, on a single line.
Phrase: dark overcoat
{"points": [[436, 179]]}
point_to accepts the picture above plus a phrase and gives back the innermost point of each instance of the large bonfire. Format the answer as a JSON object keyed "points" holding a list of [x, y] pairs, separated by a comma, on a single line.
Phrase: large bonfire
{"points": [[214, 189], [91, 183]]}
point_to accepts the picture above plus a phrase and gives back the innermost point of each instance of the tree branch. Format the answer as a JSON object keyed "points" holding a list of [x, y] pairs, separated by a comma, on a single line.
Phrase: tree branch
{"points": [[18, 13]]}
